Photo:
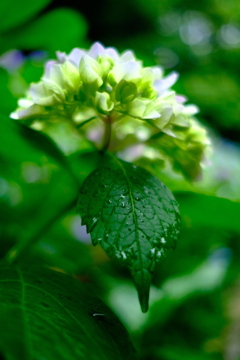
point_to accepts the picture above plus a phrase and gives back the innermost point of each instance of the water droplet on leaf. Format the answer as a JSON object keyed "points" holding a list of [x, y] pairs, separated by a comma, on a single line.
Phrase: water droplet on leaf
{"points": [[124, 256]]}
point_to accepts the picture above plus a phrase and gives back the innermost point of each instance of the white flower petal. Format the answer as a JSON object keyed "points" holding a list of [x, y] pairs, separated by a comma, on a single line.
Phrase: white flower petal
{"points": [[24, 103], [161, 85], [62, 56], [181, 99], [112, 52], [127, 56], [48, 67], [157, 71], [31, 112], [190, 109], [75, 56], [128, 70], [96, 50], [151, 115]]}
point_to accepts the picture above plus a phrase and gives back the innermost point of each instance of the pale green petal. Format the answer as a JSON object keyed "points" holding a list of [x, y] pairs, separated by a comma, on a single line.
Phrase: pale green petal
{"points": [[100, 82], [103, 103], [136, 108], [47, 94], [126, 70], [125, 91]]}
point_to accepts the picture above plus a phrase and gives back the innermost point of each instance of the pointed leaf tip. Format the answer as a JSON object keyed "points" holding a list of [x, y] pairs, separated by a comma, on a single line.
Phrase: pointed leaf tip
{"points": [[143, 299], [132, 215], [142, 280]]}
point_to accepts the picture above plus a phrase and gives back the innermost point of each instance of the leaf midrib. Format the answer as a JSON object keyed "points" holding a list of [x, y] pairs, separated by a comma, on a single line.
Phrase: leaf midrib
{"points": [[26, 325], [63, 307], [134, 212]]}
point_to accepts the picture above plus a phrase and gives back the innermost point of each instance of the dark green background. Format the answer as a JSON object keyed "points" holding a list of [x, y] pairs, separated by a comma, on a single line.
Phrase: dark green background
{"points": [[194, 311]]}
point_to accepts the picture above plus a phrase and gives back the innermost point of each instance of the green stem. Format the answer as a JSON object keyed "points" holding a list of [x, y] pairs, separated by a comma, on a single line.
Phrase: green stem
{"points": [[107, 134], [19, 250], [78, 126]]}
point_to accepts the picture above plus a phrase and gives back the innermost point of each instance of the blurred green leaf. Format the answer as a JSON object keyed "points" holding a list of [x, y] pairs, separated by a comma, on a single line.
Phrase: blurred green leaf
{"points": [[132, 215], [8, 102], [61, 29], [201, 210], [180, 353], [170, 295], [16, 12], [65, 246], [16, 141], [46, 314], [38, 185]]}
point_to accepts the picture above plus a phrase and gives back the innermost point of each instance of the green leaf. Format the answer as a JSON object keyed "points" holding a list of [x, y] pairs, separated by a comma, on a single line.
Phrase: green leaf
{"points": [[200, 211], [48, 315], [46, 199], [60, 29], [17, 140], [15, 12], [132, 215]]}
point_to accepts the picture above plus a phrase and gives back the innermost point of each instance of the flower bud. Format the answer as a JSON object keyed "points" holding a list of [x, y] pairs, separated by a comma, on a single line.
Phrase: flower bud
{"points": [[125, 91]]}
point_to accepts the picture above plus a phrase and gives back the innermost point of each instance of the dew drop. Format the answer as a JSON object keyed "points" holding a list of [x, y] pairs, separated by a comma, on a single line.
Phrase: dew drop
{"points": [[118, 255], [129, 229], [142, 221], [137, 198], [109, 201], [158, 254], [123, 205], [153, 250], [124, 256], [94, 221], [163, 241], [98, 315]]}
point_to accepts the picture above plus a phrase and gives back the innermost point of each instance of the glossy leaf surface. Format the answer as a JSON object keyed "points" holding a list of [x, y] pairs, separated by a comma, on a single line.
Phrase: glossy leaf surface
{"points": [[48, 315], [132, 215]]}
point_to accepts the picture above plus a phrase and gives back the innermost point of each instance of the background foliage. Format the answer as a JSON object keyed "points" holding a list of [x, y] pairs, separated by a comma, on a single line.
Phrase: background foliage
{"points": [[194, 300]]}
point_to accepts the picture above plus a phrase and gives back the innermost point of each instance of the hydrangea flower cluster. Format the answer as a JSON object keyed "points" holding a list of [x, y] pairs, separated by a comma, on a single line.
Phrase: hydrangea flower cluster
{"points": [[103, 84]]}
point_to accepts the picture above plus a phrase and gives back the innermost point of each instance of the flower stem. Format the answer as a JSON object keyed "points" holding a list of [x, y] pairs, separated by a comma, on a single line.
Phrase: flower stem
{"points": [[107, 133]]}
